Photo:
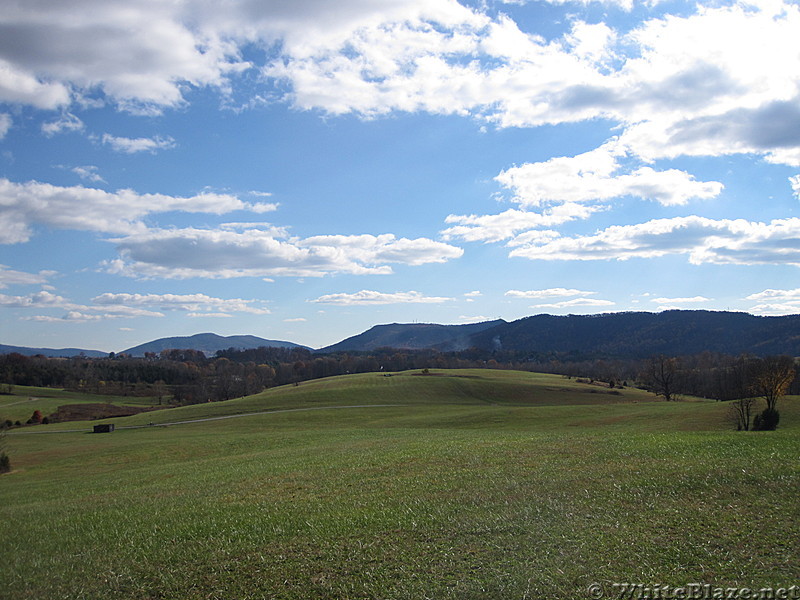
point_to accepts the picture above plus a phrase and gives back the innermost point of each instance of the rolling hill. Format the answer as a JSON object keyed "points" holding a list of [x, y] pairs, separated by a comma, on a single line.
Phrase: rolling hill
{"points": [[448, 484]]}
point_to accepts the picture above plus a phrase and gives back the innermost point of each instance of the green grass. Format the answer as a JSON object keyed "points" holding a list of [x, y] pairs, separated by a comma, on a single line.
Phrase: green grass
{"points": [[533, 491], [20, 404]]}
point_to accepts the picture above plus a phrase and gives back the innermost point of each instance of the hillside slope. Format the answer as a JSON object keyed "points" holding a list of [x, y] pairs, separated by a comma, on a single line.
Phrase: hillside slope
{"points": [[413, 336]]}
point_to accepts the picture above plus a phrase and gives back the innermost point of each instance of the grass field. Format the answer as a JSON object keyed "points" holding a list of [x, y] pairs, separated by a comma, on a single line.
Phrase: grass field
{"points": [[471, 484], [20, 404]]}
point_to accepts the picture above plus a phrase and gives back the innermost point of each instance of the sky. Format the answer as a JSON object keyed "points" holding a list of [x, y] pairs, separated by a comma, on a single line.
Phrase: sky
{"points": [[305, 170]]}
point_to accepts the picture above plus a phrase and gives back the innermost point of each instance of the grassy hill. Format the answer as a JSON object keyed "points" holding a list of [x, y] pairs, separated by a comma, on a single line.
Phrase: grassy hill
{"points": [[473, 484]]}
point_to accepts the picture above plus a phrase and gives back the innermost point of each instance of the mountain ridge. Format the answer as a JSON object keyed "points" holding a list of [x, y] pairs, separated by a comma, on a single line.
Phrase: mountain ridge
{"points": [[413, 336], [208, 343], [632, 334]]}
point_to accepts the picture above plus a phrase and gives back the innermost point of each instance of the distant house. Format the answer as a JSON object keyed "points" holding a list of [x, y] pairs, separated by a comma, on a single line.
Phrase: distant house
{"points": [[104, 428]]}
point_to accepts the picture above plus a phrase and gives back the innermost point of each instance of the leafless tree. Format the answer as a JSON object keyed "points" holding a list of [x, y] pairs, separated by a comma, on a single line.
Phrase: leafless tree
{"points": [[661, 374], [741, 412]]}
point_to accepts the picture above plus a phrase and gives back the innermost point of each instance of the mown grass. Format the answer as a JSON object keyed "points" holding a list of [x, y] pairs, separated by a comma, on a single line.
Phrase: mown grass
{"points": [[486, 498], [23, 400]]}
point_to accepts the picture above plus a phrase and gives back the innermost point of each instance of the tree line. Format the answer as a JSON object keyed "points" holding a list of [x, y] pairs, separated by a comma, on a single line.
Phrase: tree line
{"points": [[189, 376]]}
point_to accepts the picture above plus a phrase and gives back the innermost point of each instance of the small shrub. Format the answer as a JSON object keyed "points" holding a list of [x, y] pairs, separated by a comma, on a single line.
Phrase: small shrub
{"points": [[36, 417], [17, 424], [45, 421], [767, 420], [5, 463]]}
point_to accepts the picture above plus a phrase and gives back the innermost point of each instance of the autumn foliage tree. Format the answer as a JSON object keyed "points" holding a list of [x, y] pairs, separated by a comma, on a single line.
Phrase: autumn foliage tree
{"points": [[771, 378]]}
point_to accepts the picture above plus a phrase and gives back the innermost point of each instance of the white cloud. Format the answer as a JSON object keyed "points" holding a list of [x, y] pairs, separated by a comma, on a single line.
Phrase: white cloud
{"points": [[595, 176], [795, 183], [295, 320], [368, 297], [35, 300], [19, 85], [195, 303], [134, 145], [678, 84], [25, 205], [495, 228], [89, 173], [548, 293], [184, 253], [575, 303], [65, 122], [703, 240], [217, 315], [9, 277], [692, 300], [775, 302], [5, 124], [140, 55], [474, 319], [575, 188], [770, 294]]}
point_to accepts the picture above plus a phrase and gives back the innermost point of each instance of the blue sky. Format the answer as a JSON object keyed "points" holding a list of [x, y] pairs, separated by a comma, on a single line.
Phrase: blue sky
{"points": [[305, 170]]}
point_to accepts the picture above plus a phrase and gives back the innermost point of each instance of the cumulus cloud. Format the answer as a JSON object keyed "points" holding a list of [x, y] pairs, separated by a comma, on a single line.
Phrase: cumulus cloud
{"points": [[37, 299], [703, 240], [139, 55], [134, 145], [26, 205], [598, 175], [88, 173], [575, 187], [369, 297], [184, 253], [795, 183], [678, 84]]}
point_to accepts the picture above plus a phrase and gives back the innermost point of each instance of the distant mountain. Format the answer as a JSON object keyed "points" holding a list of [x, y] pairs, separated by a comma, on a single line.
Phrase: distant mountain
{"points": [[208, 343], [51, 352], [414, 336], [642, 334]]}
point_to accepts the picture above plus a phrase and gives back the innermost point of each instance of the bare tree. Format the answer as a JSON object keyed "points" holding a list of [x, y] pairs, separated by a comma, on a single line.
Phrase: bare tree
{"points": [[662, 374], [741, 412]]}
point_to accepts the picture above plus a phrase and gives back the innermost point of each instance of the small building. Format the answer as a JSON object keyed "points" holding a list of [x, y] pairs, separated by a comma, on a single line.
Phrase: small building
{"points": [[104, 428]]}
